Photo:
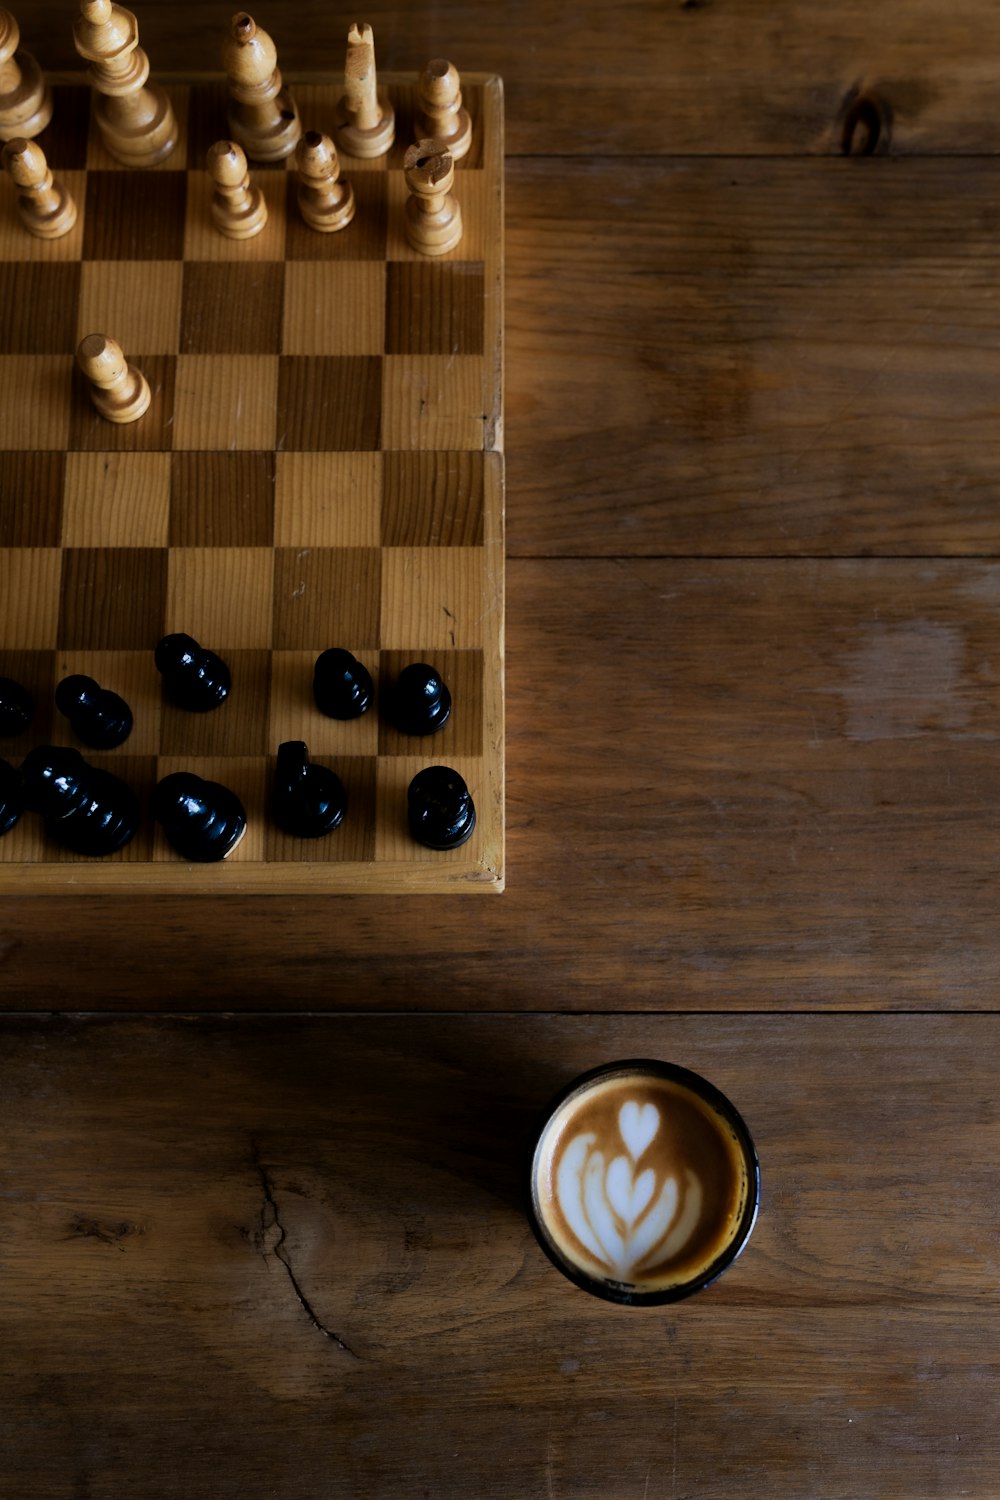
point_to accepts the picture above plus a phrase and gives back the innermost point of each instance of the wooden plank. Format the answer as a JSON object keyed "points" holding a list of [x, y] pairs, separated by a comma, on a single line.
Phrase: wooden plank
{"points": [[634, 77], [251, 1255], [735, 784], [766, 358]]}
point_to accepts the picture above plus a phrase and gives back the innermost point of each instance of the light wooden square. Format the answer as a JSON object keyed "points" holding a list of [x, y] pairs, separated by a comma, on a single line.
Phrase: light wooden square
{"points": [[225, 401], [35, 400], [29, 597], [334, 307], [116, 500], [433, 401], [131, 674], [469, 190], [15, 241], [247, 776], [202, 241], [327, 499], [99, 158], [294, 715], [433, 595], [137, 302], [221, 595]]}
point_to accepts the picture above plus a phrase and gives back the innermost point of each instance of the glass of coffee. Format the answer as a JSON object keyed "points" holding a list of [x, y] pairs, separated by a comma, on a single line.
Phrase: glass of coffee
{"points": [[644, 1182]]}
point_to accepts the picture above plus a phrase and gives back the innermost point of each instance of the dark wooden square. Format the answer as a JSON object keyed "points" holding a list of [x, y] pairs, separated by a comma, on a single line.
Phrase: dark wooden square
{"points": [[221, 499], [135, 215], [31, 499], [363, 239], [329, 403], [112, 598], [434, 309], [206, 122], [432, 499], [153, 432], [39, 307], [462, 672], [35, 671], [232, 309], [354, 839], [64, 140], [324, 596], [238, 727]]}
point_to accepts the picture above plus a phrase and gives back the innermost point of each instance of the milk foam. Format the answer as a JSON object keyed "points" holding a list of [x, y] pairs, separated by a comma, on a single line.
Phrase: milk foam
{"points": [[639, 1181]]}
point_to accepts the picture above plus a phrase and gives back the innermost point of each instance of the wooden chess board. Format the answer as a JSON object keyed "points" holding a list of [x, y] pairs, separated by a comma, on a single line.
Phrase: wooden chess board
{"points": [[321, 465]]}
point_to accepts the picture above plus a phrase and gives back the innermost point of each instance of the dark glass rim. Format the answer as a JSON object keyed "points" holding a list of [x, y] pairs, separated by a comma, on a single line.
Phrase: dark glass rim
{"points": [[617, 1292]]}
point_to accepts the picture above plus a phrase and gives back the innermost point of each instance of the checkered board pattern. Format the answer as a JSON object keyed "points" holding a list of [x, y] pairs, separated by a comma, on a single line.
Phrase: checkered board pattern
{"points": [[321, 465]]}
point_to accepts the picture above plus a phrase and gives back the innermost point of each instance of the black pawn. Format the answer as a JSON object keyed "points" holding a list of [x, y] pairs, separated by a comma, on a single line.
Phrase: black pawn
{"points": [[194, 679], [87, 809], [421, 702], [308, 801], [203, 821], [16, 707], [342, 685], [97, 716], [439, 809], [11, 796]]}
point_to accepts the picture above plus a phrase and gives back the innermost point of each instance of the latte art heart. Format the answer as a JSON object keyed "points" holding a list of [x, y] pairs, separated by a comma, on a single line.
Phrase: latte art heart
{"points": [[623, 1217]]}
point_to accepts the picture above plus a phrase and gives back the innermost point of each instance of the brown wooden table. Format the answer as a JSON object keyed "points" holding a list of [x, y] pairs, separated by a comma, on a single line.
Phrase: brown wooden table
{"points": [[262, 1228]]}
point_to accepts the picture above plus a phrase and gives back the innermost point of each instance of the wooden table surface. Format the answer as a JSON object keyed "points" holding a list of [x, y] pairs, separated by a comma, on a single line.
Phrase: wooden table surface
{"points": [[262, 1226]]}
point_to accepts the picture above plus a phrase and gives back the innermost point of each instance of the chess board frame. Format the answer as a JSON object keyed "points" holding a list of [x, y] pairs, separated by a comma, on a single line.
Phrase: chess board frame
{"points": [[321, 465]]}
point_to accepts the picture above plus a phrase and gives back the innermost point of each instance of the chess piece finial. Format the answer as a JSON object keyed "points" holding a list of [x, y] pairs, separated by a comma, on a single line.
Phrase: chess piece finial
{"points": [[25, 97], [119, 390], [135, 117], [326, 202], [441, 114], [89, 810], [308, 801], [263, 116], [364, 122], [420, 700], [239, 210], [202, 820], [97, 716], [11, 796], [440, 812], [195, 679], [342, 685], [46, 208], [433, 216]]}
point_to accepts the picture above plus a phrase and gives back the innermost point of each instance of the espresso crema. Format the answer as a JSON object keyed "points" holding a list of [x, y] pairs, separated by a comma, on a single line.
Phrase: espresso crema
{"points": [[644, 1182]]}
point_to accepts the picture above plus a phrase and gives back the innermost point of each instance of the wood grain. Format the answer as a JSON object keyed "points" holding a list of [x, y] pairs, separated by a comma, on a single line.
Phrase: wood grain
{"points": [[733, 784], [251, 1254], [703, 77]]}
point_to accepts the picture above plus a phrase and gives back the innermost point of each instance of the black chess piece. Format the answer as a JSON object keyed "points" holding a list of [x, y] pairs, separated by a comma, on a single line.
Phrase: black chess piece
{"points": [[420, 702], [194, 679], [11, 796], [342, 685], [97, 716], [87, 809], [439, 809], [17, 707], [308, 801], [203, 820]]}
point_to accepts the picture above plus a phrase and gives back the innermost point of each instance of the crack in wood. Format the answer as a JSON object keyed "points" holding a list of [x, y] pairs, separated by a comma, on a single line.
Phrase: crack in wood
{"points": [[265, 1241]]}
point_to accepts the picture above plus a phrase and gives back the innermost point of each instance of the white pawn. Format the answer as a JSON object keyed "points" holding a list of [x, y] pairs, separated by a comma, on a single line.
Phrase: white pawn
{"points": [[442, 115], [433, 216], [120, 391], [45, 207], [238, 210], [25, 97], [325, 202]]}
